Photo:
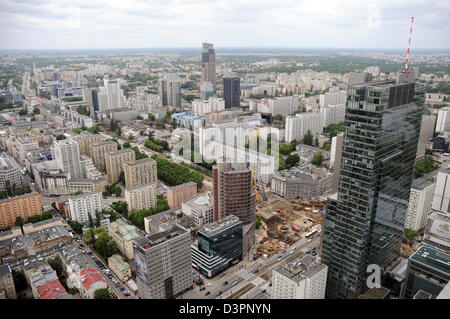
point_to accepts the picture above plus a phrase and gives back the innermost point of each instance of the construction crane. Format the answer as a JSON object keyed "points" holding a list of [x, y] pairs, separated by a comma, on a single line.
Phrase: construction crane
{"points": [[409, 45]]}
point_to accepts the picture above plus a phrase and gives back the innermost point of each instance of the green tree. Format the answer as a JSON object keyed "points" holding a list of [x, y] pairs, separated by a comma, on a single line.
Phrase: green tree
{"points": [[102, 294], [308, 138], [23, 111], [91, 222], [317, 159], [19, 221], [292, 160], [410, 234], [122, 178], [76, 226]]}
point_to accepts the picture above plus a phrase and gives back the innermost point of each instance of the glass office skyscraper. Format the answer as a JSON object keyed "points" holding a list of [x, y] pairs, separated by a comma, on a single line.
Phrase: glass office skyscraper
{"points": [[364, 223]]}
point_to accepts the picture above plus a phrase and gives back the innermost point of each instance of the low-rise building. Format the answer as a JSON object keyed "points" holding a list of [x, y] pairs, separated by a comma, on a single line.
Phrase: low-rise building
{"points": [[200, 208], [120, 267], [123, 234], [303, 278], [7, 286]]}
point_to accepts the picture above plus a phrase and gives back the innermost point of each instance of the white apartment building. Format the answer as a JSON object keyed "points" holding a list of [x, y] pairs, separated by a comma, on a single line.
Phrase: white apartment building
{"points": [[443, 120], [163, 263], [277, 106], [297, 126], [81, 206], [25, 146], [374, 70], [66, 153], [211, 105], [332, 114], [441, 199], [332, 97], [141, 197], [115, 99], [200, 208], [419, 207], [9, 172], [304, 278]]}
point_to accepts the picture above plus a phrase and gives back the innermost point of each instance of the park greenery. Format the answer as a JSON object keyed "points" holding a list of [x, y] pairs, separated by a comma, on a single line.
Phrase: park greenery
{"points": [[102, 293], [424, 167], [175, 174], [333, 129], [156, 144], [137, 216], [112, 189]]}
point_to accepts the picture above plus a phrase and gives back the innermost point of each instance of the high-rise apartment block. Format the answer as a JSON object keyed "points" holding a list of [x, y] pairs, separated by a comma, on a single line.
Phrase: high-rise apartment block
{"points": [[231, 92], [208, 63], [141, 197], [298, 125], [85, 140], [441, 199], [23, 206], [66, 153], [364, 224], [98, 151], [443, 120], [114, 95], [303, 278], [426, 134], [163, 263], [233, 193], [81, 206], [140, 172], [420, 200], [114, 162], [178, 194]]}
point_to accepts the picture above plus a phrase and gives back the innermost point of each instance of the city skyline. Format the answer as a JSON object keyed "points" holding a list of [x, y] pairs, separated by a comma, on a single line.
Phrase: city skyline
{"points": [[310, 24]]}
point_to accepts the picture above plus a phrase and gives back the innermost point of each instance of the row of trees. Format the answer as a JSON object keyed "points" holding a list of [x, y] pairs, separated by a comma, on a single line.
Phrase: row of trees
{"points": [[99, 239], [137, 216], [156, 144], [14, 190], [174, 174]]}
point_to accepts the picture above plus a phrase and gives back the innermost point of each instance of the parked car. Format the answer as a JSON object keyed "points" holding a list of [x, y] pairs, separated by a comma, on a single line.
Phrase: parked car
{"points": [[202, 288], [207, 293], [225, 283]]}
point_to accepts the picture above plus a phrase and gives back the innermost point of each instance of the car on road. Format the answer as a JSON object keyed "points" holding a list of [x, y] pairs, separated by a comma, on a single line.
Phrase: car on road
{"points": [[270, 285], [279, 258], [202, 288], [207, 293], [250, 270], [219, 293], [291, 252], [309, 240], [256, 271], [122, 288]]}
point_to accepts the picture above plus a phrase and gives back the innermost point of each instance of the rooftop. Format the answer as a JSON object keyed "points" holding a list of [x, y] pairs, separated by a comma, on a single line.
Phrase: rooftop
{"points": [[90, 276], [182, 186], [148, 241], [301, 268], [51, 290], [432, 258], [218, 226]]}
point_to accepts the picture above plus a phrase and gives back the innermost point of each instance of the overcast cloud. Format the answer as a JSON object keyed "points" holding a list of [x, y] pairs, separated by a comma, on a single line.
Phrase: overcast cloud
{"points": [[83, 24]]}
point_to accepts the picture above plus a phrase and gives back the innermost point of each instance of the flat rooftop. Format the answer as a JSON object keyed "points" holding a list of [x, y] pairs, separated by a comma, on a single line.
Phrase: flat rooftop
{"points": [[302, 267], [148, 241], [432, 258], [218, 226]]}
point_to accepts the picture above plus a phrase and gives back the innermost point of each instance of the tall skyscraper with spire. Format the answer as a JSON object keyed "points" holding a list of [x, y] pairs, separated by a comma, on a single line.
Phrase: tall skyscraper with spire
{"points": [[208, 63], [364, 224]]}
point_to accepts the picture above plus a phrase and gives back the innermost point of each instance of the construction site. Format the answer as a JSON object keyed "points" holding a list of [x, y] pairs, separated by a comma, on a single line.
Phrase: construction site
{"points": [[284, 222]]}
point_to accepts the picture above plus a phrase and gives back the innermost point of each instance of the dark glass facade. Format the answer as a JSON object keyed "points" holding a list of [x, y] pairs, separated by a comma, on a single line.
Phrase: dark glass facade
{"points": [[364, 224], [225, 243], [232, 92]]}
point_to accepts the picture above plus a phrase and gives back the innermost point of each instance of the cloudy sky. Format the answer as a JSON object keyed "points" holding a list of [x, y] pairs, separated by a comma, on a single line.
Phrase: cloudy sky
{"points": [[85, 24]]}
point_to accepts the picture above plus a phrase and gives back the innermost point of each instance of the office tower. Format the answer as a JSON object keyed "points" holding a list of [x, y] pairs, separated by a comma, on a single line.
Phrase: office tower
{"points": [[81, 206], [114, 163], [231, 92], [364, 223], [24, 206], [441, 199], [178, 194], [206, 90], [10, 172], [7, 287], [443, 120], [426, 134], [208, 63], [233, 193], [141, 197], [428, 270], [218, 246], [97, 153], [170, 90], [140, 172], [335, 159], [303, 278], [113, 94], [422, 192], [297, 126], [85, 140], [163, 263], [66, 153]]}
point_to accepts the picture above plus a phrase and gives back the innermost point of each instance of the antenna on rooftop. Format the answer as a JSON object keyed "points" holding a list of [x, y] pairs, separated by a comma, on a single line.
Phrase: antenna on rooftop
{"points": [[409, 45]]}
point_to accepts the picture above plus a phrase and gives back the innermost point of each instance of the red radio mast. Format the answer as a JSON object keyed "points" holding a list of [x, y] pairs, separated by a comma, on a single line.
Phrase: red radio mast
{"points": [[409, 45]]}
